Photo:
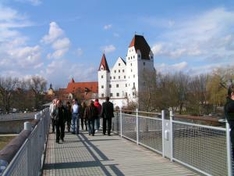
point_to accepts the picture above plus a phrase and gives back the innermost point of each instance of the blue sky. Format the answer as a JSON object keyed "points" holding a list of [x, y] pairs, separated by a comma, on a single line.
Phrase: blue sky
{"points": [[60, 40]]}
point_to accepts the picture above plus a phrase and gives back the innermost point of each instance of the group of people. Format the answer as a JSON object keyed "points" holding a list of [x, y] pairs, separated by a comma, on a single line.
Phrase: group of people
{"points": [[76, 115]]}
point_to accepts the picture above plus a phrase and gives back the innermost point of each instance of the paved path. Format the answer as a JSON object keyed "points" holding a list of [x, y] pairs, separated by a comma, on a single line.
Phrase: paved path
{"points": [[101, 155]]}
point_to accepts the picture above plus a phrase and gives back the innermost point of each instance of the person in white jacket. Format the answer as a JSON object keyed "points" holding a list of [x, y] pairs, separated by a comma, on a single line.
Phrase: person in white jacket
{"points": [[52, 116]]}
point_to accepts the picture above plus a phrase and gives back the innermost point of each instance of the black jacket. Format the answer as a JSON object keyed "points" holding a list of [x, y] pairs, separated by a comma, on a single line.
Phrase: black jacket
{"points": [[107, 110], [229, 109]]}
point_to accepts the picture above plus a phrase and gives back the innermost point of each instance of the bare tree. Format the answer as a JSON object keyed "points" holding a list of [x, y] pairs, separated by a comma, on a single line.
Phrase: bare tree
{"points": [[38, 86], [147, 95], [7, 87], [197, 95]]}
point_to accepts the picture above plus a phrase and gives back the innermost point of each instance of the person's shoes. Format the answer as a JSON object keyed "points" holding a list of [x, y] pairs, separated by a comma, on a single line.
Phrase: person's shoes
{"points": [[63, 140], [73, 132], [57, 141], [92, 134], [104, 133], [109, 134]]}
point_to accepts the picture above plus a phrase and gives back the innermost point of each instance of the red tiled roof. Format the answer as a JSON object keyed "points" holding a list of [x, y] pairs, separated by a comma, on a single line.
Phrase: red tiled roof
{"points": [[140, 43], [82, 87], [104, 63]]}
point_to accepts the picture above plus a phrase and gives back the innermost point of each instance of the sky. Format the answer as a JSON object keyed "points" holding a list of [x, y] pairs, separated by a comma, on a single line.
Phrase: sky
{"points": [[60, 40]]}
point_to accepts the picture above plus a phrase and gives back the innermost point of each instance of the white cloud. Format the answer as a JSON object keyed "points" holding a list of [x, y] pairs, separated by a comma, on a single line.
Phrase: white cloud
{"points": [[108, 49], [206, 33], [32, 2], [79, 52], [165, 68], [58, 41], [108, 26], [55, 32]]}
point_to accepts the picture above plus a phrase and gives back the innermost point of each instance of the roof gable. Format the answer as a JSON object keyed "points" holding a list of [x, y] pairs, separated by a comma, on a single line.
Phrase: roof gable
{"points": [[104, 64], [139, 43]]}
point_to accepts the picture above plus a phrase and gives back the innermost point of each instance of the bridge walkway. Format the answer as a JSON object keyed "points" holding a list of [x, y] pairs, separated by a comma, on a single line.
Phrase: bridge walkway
{"points": [[101, 155]]}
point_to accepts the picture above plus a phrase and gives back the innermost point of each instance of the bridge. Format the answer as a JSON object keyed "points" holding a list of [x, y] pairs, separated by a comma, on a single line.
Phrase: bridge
{"points": [[141, 144]]}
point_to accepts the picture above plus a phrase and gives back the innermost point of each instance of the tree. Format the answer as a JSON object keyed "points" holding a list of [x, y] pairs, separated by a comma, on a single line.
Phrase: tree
{"points": [[217, 85], [38, 86], [7, 87]]}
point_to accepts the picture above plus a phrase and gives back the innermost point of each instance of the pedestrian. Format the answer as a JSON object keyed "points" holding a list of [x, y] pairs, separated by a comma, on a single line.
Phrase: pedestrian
{"points": [[68, 115], [60, 120], [107, 114], [75, 110], [229, 114], [52, 116], [91, 113], [97, 120], [82, 116]]}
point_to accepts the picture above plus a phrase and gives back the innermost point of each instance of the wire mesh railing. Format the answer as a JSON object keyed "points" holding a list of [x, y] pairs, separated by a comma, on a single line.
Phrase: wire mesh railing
{"points": [[204, 148], [28, 159]]}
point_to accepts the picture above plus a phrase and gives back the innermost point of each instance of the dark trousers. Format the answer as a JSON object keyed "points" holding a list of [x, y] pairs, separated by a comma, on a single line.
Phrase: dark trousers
{"points": [[83, 124], [60, 128], [53, 125], [91, 126], [107, 121], [231, 124]]}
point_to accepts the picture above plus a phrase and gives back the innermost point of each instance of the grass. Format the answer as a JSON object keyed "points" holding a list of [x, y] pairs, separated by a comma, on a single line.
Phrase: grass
{"points": [[4, 140]]}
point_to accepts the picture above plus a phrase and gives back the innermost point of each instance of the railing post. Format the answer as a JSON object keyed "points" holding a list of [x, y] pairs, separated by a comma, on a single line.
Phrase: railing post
{"points": [[229, 151], [137, 126], [121, 122], [163, 133], [171, 135], [27, 126]]}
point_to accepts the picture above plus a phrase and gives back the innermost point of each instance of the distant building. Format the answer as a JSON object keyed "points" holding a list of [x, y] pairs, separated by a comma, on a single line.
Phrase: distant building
{"points": [[79, 90], [50, 91], [123, 82]]}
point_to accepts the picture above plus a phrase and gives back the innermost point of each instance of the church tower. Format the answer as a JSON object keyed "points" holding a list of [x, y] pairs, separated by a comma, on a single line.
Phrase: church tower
{"points": [[103, 78]]}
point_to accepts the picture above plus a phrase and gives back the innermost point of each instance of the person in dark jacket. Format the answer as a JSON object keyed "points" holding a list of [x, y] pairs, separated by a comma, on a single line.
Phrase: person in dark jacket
{"points": [[60, 121], [68, 115], [229, 114], [91, 113], [82, 116], [107, 113]]}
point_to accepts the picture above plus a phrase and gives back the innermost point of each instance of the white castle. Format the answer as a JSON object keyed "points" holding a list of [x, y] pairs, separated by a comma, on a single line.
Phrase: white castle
{"points": [[123, 82]]}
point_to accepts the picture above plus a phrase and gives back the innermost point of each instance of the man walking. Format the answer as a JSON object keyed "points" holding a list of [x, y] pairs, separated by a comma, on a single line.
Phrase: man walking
{"points": [[107, 114], [75, 120]]}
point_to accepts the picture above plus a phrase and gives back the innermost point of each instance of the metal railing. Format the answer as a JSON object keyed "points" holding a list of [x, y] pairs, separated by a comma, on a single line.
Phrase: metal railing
{"points": [[24, 155], [203, 148]]}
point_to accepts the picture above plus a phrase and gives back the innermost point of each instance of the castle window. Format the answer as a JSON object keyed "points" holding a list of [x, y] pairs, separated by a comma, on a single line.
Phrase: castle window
{"points": [[126, 85], [102, 87], [123, 70], [133, 76], [117, 85], [111, 94], [117, 94], [114, 77], [124, 77], [119, 71], [102, 95], [119, 64], [102, 76], [119, 77], [114, 71], [109, 85], [139, 56], [143, 63], [110, 77]]}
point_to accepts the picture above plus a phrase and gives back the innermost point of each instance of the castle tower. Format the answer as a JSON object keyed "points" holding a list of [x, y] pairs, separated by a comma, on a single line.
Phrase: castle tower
{"points": [[139, 59], [103, 78]]}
